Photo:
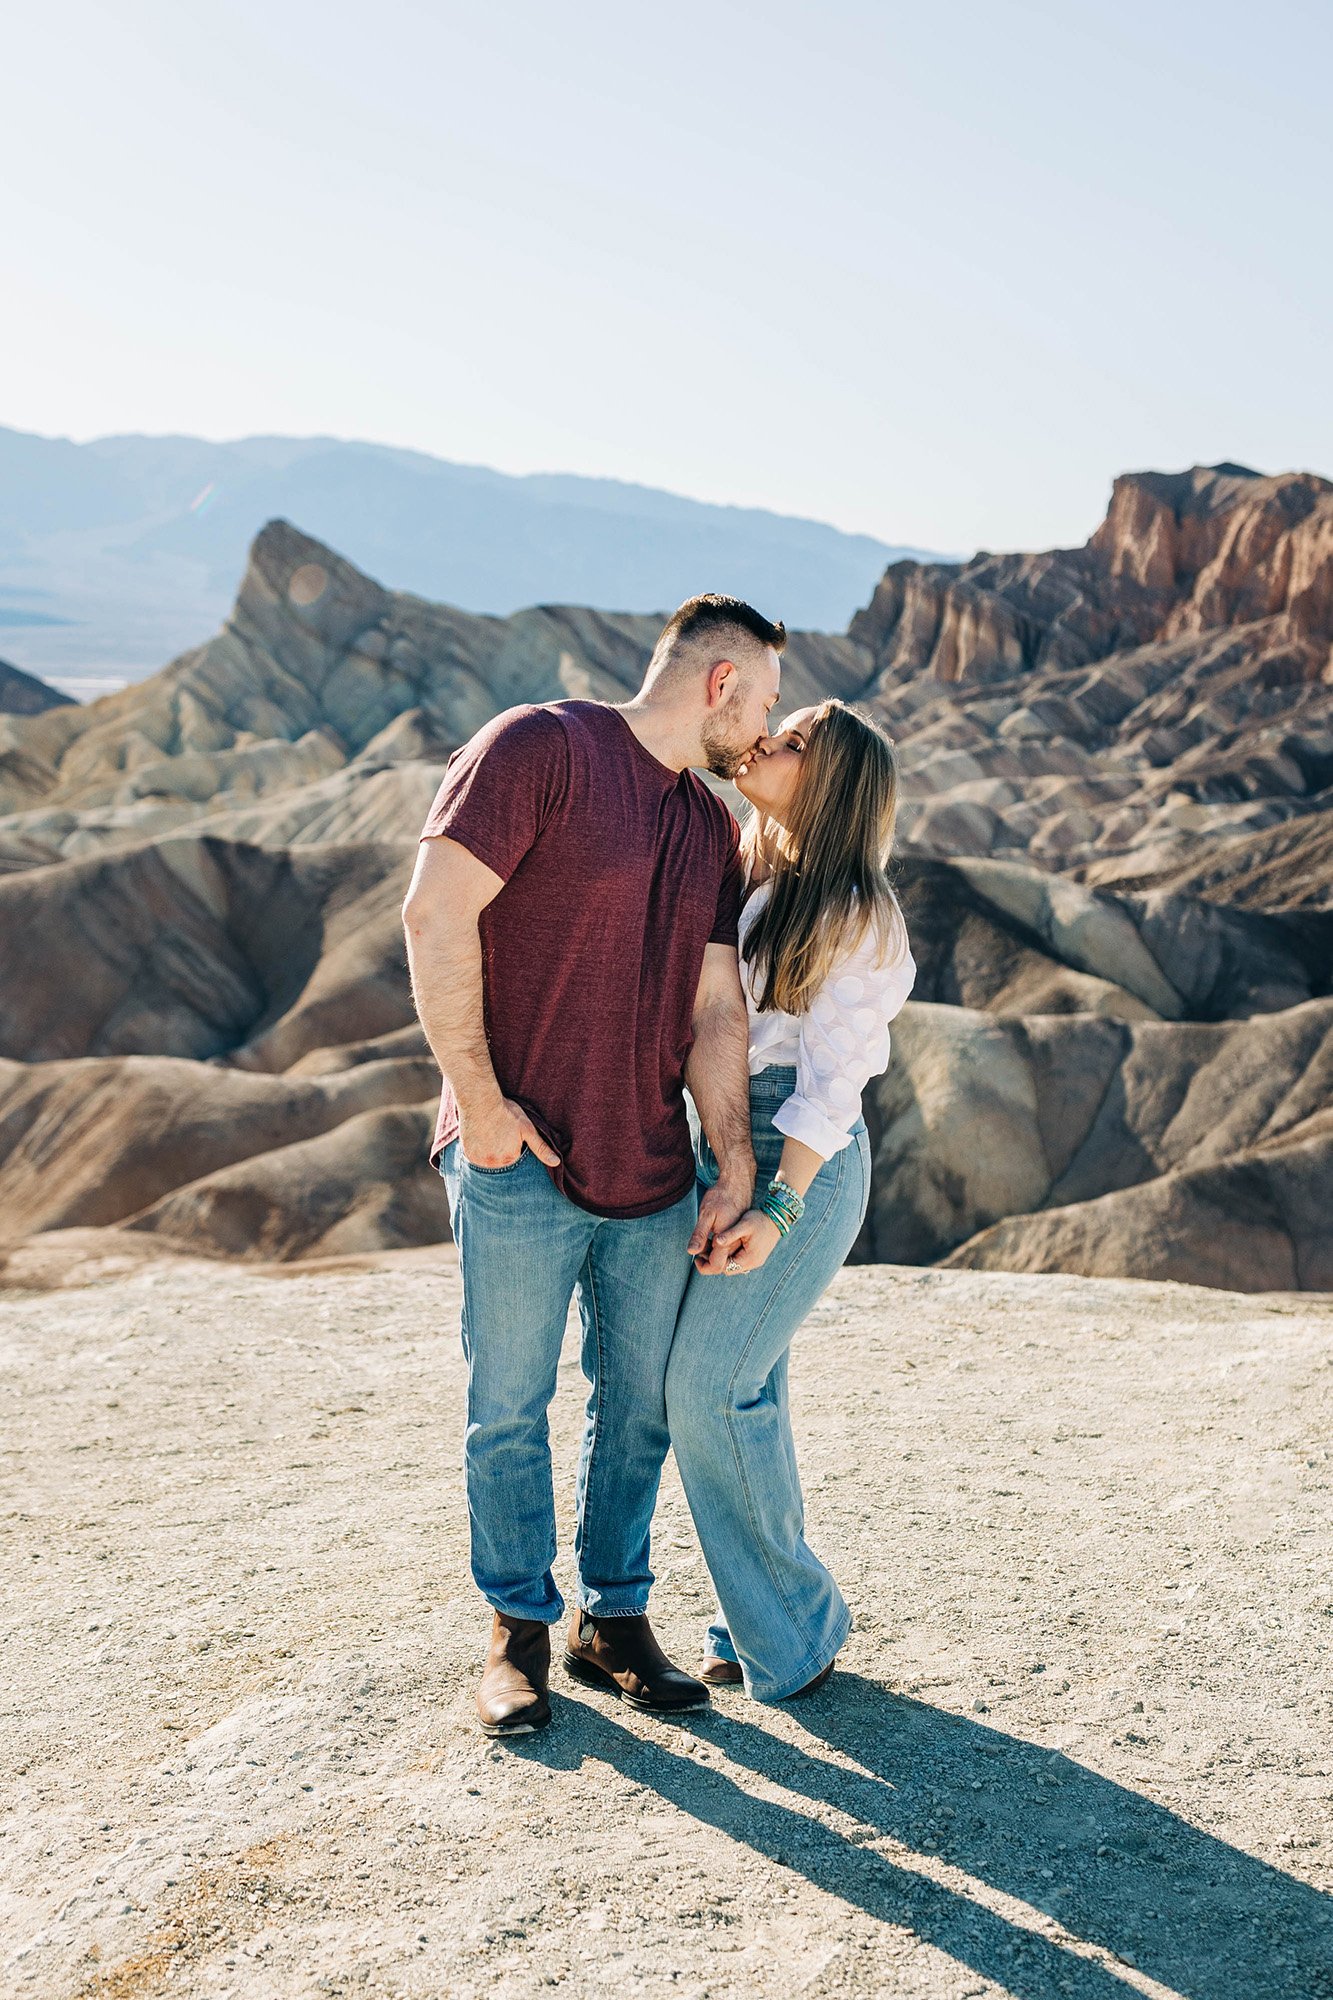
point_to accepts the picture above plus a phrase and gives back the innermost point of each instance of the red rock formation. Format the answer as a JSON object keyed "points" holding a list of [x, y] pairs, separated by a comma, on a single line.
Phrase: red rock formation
{"points": [[1178, 555]]}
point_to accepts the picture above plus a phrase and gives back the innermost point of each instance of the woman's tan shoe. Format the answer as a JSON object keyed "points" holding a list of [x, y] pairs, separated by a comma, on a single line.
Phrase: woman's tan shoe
{"points": [[716, 1673], [824, 1674]]}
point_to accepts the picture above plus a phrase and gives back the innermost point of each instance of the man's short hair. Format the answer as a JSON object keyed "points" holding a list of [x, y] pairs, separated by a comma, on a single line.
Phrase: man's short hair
{"points": [[716, 622]]}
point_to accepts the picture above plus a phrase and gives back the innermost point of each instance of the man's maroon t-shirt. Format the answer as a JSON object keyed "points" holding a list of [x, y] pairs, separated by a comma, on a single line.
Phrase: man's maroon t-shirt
{"points": [[617, 873]]}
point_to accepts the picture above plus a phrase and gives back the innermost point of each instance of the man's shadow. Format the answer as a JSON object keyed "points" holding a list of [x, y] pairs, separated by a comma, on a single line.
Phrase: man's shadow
{"points": [[1113, 1869]]}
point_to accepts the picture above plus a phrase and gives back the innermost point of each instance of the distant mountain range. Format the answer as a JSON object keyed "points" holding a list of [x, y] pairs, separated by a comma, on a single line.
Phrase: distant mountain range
{"points": [[116, 555]]}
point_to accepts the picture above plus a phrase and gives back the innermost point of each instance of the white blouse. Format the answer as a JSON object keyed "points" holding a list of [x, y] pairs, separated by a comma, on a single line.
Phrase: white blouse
{"points": [[837, 1045]]}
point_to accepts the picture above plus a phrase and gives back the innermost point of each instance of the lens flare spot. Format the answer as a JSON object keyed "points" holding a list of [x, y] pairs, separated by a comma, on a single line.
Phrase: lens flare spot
{"points": [[307, 585]]}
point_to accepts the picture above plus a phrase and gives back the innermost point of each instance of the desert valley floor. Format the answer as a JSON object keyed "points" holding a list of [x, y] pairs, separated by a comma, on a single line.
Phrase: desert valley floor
{"points": [[1080, 1745]]}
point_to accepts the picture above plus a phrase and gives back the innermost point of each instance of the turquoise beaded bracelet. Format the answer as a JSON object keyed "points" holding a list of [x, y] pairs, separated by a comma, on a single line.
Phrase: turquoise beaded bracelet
{"points": [[782, 1205]]}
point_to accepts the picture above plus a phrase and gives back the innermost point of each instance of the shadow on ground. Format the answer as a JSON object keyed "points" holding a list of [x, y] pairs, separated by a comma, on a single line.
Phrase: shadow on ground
{"points": [[1113, 1869]]}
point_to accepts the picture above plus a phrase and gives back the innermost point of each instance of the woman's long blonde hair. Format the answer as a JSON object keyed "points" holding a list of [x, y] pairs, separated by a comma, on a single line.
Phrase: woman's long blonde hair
{"points": [[828, 868]]}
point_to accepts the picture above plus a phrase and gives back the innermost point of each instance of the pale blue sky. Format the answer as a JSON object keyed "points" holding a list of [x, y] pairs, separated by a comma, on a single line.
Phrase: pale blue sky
{"points": [[933, 273]]}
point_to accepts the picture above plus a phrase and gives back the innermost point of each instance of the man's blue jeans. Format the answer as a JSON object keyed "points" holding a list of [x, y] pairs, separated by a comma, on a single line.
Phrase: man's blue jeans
{"points": [[525, 1251]]}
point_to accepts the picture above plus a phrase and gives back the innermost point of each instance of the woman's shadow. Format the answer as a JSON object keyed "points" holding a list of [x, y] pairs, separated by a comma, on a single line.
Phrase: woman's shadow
{"points": [[1114, 1870]]}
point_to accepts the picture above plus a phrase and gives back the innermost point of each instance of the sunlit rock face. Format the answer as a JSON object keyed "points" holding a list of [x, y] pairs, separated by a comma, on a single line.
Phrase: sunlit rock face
{"points": [[1116, 860], [1119, 710]]}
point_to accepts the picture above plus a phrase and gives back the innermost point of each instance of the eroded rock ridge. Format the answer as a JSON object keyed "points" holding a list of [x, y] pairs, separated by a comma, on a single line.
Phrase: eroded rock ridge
{"points": [[1117, 862]]}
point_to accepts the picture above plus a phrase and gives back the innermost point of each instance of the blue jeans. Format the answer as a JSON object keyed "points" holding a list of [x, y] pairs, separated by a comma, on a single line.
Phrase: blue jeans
{"points": [[525, 1251], [779, 1611]]}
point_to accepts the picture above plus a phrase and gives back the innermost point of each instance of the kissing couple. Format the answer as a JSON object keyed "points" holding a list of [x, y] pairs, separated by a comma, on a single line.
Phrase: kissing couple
{"points": [[591, 935]]}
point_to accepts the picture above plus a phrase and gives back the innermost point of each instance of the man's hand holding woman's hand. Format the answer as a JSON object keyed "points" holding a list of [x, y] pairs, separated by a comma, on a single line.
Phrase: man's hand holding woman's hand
{"points": [[496, 1137], [729, 1231], [719, 1209]]}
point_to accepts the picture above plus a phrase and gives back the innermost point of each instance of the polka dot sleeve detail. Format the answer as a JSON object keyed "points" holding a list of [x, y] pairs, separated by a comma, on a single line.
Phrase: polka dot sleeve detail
{"points": [[844, 1042]]}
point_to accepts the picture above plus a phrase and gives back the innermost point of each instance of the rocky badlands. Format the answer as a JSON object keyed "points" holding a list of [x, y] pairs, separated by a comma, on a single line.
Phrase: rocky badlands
{"points": [[1116, 860]]}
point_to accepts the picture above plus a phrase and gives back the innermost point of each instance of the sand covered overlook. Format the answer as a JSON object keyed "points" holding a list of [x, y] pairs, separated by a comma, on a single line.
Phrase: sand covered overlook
{"points": [[1078, 1744]]}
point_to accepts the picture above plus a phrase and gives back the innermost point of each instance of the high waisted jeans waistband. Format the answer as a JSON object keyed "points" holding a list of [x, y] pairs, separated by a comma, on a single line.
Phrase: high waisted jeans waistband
{"points": [[776, 1082]]}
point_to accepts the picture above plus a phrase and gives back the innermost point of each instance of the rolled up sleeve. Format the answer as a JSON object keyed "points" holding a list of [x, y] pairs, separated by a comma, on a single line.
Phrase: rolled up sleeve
{"points": [[844, 1042]]}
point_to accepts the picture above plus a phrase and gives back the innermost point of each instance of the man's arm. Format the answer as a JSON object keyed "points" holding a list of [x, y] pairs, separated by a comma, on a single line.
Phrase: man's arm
{"points": [[449, 890], [717, 1071]]}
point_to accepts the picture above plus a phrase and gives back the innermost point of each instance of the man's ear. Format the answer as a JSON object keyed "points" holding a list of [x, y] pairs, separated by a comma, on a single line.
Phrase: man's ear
{"points": [[720, 675]]}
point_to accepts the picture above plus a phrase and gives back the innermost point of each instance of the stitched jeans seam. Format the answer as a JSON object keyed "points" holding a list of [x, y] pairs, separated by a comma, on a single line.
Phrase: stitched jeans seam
{"points": [[755, 1331], [595, 1315]]}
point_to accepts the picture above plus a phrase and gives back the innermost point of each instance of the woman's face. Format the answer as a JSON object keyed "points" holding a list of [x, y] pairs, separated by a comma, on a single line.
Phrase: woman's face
{"points": [[771, 773]]}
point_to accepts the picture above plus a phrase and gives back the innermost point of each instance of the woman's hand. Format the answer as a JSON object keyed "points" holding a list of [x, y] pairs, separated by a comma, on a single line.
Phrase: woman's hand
{"points": [[749, 1242]]}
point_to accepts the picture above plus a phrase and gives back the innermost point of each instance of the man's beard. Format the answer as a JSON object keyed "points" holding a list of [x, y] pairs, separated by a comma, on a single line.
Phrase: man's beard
{"points": [[724, 758]]}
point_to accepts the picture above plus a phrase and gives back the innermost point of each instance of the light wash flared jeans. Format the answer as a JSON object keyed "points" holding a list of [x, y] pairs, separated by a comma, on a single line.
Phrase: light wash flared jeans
{"points": [[780, 1614]]}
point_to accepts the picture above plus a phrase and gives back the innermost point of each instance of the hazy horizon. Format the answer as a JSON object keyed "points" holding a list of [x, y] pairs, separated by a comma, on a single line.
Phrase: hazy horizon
{"points": [[119, 554], [535, 472]]}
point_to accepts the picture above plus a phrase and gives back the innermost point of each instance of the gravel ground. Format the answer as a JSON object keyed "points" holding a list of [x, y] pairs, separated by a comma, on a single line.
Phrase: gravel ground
{"points": [[1082, 1743]]}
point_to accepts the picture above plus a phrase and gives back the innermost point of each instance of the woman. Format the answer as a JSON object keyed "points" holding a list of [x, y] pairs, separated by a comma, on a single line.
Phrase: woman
{"points": [[826, 967]]}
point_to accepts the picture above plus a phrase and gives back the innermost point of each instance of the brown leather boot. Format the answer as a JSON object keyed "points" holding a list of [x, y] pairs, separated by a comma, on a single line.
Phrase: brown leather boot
{"points": [[621, 1657], [715, 1673], [511, 1700]]}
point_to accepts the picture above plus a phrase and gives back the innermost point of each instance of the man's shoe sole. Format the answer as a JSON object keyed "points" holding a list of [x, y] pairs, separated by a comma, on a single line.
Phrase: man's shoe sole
{"points": [[597, 1677], [521, 1726]]}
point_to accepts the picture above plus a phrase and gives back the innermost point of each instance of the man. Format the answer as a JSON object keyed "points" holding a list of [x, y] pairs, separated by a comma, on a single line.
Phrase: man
{"points": [[571, 930]]}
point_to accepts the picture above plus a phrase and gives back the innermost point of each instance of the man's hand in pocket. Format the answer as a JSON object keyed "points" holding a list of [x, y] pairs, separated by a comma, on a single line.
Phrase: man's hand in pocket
{"points": [[497, 1138]]}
